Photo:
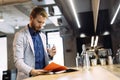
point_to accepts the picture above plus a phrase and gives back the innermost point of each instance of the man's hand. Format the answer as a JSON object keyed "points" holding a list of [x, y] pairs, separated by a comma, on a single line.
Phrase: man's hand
{"points": [[36, 72], [52, 51]]}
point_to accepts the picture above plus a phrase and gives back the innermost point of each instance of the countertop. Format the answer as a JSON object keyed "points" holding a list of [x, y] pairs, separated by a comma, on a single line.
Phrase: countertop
{"points": [[108, 72]]}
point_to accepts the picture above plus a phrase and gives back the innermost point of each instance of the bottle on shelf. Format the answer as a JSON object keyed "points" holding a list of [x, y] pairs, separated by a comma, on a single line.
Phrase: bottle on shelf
{"points": [[86, 61], [110, 59], [78, 60], [93, 60], [117, 57]]}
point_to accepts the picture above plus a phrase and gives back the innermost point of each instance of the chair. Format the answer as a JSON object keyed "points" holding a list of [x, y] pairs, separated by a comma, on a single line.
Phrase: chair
{"points": [[9, 74]]}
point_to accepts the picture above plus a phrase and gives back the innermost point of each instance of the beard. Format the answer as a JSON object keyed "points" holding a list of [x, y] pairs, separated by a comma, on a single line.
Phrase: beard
{"points": [[35, 28]]}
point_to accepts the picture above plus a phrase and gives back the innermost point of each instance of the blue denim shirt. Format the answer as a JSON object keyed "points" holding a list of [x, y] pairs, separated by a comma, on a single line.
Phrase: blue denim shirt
{"points": [[38, 48]]}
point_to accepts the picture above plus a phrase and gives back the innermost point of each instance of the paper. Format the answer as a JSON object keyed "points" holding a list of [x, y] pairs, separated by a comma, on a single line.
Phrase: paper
{"points": [[55, 67]]}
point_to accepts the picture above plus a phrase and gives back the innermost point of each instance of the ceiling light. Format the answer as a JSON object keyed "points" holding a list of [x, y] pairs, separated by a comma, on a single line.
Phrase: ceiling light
{"points": [[54, 20], [106, 33], [96, 41], [51, 11], [82, 35], [1, 16], [17, 27], [115, 15], [75, 14], [59, 21]]}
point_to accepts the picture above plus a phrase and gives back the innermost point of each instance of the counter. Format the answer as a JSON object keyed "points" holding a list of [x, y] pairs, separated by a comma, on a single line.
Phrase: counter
{"points": [[109, 72]]}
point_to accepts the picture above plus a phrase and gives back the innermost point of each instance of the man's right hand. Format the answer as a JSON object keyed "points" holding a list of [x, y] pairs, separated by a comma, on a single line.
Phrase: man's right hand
{"points": [[36, 72]]}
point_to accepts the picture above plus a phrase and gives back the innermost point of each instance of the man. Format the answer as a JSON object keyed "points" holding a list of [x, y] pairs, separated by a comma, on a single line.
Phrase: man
{"points": [[30, 52]]}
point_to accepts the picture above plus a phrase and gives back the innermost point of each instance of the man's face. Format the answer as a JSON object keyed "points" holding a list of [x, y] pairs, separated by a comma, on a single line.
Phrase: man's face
{"points": [[38, 22]]}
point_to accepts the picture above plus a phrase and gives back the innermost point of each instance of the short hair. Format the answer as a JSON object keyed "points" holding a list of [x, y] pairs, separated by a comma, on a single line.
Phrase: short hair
{"points": [[38, 11]]}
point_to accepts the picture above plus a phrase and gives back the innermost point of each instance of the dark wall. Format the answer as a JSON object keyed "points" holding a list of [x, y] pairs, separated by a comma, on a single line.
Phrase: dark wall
{"points": [[81, 41], [115, 37], [87, 27], [103, 23], [87, 23], [102, 26]]}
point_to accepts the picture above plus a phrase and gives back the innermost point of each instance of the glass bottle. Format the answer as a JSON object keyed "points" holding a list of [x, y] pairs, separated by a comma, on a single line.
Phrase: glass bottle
{"points": [[86, 61], [77, 61], [85, 57]]}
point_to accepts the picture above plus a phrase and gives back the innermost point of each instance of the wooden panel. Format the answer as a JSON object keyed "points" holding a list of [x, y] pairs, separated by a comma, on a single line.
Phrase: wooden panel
{"points": [[95, 7]]}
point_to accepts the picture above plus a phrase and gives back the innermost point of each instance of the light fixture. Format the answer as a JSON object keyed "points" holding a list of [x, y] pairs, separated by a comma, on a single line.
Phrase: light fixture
{"points": [[39, 0], [17, 27], [51, 10], [54, 20], [59, 20], [96, 41], [92, 41], [106, 33], [1, 17], [1, 13], [75, 14], [82, 35], [115, 15]]}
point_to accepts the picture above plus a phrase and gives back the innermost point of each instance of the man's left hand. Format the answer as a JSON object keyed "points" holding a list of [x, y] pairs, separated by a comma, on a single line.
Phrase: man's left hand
{"points": [[52, 51]]}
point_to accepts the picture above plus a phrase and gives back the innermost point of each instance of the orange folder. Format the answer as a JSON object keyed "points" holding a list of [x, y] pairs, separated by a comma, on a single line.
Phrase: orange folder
{"points": [[54, 67]]}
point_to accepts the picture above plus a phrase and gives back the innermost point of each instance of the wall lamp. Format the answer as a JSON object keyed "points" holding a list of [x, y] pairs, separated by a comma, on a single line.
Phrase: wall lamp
{"points": [[94, 41]]}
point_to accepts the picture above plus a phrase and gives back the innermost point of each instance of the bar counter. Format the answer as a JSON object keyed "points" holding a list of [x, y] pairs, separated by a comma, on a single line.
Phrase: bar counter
{"points": [[108, 72]]}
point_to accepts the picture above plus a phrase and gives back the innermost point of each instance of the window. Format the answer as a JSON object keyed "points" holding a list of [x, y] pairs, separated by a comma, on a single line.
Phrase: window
{"points": [[54, 38], [3, 54]]}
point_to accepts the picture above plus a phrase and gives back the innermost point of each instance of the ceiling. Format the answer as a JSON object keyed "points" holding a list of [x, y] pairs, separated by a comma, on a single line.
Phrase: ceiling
{"points": [[16, 12], [6, 2], [13, 17], [106, 11]]}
